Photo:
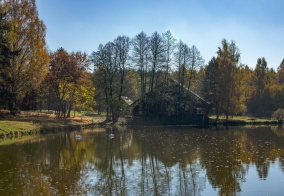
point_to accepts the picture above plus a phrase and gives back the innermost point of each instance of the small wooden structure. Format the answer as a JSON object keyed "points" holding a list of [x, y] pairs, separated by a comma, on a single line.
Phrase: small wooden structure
{"points": [[169, 107]]}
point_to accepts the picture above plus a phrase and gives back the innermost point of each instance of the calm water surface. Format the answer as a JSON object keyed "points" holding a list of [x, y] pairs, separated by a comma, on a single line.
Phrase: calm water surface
{"points": [[147, 161]]}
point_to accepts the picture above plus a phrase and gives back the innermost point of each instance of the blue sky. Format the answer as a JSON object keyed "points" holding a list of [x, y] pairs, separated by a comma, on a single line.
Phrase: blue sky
{"points": [[257, 26]]}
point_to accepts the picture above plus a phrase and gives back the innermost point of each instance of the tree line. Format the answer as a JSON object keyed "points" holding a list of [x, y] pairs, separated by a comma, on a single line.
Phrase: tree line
{"points": [[153, 70], [141, 67], [231, 88], [31, 77]]}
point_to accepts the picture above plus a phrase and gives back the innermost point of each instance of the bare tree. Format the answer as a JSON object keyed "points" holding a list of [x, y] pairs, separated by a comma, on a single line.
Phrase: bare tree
{"points": [[105, 60], [157, 56], [122, 46], [140, 55], [196, 61], [182, 58], [169, 49]]}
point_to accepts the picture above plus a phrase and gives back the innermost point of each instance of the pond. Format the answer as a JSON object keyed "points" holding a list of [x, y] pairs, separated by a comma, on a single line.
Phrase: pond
{"points": [[146, 161]]}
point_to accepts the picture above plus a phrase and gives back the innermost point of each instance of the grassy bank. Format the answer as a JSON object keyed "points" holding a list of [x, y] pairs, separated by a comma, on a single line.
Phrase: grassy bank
{"points": [[244, 120], [30, 123], [10, 128]]}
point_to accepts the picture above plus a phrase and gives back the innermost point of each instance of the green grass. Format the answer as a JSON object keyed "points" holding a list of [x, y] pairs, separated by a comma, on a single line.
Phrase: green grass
{"points": [[244, 120], [77, 113], [28, 122], [16, 127]]}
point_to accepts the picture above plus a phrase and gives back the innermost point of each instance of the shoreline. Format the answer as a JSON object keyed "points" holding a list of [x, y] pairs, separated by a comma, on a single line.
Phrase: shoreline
{"points": [[33, 123], [242, 121]]}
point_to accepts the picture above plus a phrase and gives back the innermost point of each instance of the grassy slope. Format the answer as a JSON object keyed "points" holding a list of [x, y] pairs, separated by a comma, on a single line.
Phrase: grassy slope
{"points": [[27, 123], [7, 126]]}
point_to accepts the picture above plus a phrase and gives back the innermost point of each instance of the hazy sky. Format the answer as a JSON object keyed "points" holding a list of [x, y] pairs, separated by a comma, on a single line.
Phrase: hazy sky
{"points": [[257, 26]]}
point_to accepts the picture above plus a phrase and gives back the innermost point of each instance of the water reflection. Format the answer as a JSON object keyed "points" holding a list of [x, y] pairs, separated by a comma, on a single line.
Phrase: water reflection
{"points": [[148, 161]]}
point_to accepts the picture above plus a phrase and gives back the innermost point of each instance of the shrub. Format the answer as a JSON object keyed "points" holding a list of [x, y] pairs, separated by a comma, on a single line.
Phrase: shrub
{"points": [[278, 114]]}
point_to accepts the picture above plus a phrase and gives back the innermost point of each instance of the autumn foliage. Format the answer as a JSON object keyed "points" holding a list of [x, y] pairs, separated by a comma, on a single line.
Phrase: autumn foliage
{"points": [[141, 68]]}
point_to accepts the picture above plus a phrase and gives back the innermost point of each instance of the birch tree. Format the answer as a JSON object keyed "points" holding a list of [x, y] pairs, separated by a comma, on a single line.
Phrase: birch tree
{"points": [[157, 56], [196, 61], [169, 50], [140, 54]]}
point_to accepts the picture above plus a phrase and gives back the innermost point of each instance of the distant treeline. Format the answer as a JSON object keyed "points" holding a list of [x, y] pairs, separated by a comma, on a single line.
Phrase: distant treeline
{"points": [[141, 68]]}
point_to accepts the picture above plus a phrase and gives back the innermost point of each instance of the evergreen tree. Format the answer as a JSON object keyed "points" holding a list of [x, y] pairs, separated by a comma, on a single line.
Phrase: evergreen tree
{"points": [[211, 87], [228, 61]]}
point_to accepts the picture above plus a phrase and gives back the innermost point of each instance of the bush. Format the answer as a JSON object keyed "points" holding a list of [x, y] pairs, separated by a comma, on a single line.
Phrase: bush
{"points": [[278, 114]]}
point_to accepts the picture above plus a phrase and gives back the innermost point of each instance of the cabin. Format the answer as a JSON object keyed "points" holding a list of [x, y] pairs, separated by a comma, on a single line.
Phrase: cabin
{"points": [[174, 105]]}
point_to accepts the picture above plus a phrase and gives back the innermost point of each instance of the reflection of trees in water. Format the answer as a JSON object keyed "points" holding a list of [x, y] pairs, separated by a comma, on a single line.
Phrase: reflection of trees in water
{"points": [[17, 177], [190, 180], [278, 130], [266, 148], [279, 144], [138, 169], [221, 154], [193, 152], [174, 156], [227, 156], [39, 169], [147, 162], [109, 166]]}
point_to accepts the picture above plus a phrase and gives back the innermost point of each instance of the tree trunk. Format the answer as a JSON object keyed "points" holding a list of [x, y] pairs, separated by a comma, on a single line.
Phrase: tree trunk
{"points": [[227, 120], [69, 111], [217, 116]]}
